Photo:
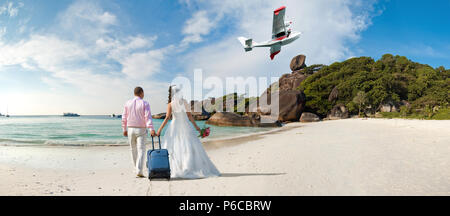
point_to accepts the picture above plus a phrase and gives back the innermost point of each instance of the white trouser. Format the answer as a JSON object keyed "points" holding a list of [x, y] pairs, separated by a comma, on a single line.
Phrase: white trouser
{"points": [[136, 139]]}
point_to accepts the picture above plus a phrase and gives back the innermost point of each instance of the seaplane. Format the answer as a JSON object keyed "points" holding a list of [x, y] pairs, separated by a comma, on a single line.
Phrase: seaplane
{"points": [[282, 35]]}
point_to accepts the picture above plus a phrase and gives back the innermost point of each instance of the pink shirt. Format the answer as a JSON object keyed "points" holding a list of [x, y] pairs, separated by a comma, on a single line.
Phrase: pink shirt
{"points": [[136, 113]]}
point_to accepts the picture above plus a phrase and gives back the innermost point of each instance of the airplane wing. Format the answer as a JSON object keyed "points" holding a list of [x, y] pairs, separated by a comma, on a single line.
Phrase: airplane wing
{"points": [[265, 44], [278, 22]]}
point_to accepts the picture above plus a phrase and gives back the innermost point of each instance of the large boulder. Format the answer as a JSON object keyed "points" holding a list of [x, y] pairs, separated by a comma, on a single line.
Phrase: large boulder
{"points": [[389, 107], [200, 116], [338, 112], [291, 105], [229, 119], [298, 62], [309, 117], [233, 119], [334, 94], [291, 81]]}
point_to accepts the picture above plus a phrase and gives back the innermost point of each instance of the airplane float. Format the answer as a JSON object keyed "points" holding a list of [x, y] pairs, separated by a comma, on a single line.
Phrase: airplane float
{"points": [[281, 35]]}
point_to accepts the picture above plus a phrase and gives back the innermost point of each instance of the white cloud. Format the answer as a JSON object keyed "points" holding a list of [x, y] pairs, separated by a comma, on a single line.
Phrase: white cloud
{"points": [[88, 60], [119, 48], [10, 9], [328, 28], [86, 21], [44, 52], [87, 11], [196, 27], [143, 65]]}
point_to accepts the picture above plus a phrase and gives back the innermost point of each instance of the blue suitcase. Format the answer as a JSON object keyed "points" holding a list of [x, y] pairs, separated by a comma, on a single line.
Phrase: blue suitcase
{"points": [[158, 162]]}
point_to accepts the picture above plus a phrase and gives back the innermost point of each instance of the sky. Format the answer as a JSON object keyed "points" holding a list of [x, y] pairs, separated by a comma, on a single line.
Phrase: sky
{"points": [[86, 56]]}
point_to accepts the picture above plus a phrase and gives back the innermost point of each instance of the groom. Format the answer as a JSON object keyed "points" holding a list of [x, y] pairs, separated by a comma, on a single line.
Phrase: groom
{"points": [[136, 118]]}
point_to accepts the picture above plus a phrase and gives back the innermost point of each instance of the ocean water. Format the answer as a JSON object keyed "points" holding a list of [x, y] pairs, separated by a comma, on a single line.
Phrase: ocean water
{"points": [[85, 130]]}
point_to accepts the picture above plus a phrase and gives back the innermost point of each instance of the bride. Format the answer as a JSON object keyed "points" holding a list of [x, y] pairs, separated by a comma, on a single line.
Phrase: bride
{"points": [[187, 157]]}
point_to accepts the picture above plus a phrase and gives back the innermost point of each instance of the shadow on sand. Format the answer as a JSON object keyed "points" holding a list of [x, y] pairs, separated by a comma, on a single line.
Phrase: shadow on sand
{"points": [[228, 175], [249, 174]]}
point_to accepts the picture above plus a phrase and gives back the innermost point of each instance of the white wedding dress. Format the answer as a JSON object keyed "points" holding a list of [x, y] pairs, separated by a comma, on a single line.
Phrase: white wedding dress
{"points": [[187, 157]]}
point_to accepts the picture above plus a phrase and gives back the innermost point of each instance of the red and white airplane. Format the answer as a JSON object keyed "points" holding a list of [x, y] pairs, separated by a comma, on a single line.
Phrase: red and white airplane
{"points": [[281, 35]]}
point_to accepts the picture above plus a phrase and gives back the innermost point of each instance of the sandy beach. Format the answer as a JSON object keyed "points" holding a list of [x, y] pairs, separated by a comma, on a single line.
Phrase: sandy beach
{"points": [[343, 157]]}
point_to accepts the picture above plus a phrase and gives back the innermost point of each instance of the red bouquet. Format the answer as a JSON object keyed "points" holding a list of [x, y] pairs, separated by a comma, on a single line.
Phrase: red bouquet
{"points": [[204, 132]]}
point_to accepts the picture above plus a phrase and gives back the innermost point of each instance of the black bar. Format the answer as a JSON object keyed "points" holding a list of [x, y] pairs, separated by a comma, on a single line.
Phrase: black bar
{"points": [[228, 205]]}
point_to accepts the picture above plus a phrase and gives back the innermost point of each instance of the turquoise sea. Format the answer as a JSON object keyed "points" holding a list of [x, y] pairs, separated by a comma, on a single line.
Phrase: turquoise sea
{"points": [[84, 130]]}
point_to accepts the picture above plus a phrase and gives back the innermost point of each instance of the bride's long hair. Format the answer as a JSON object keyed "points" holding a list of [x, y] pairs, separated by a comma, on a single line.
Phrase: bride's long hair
{"points": [[170, 95], [173, 90]]}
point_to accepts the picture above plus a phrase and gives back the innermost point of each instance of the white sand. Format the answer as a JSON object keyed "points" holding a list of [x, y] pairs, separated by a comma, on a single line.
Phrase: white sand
{"points": [[345, 157]]}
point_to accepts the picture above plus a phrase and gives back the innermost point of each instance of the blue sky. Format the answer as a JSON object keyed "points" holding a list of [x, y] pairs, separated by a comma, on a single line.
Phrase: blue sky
{"points": [[416, 29], [86, 56]]}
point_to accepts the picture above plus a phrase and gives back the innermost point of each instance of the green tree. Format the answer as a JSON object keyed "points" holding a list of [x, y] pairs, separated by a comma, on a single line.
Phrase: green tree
{"points": [[360, 99], [390, 79]]}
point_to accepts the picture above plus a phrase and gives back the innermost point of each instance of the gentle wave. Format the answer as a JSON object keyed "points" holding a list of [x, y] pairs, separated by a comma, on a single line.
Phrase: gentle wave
{"points": [[87, 135], [18, 142], [3, 141]]}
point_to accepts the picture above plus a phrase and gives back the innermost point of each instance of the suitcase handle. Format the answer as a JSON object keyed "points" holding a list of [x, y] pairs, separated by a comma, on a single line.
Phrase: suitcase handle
{"points": [[153, 145]]}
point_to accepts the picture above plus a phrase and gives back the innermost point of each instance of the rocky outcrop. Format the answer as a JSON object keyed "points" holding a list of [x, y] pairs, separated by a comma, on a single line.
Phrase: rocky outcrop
{"points": [[291, 100], [200, 117], [309, 117], [298, 62], [334, 94], [389, 107], [291, 81], [233, 119], [159, 116], [338, 112], [291, 105], [230, 119]]}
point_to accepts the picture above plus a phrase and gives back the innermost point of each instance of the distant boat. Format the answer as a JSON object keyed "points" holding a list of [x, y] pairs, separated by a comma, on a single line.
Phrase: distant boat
{"points": [[71, 115], [7, 115], [115, 116]]}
